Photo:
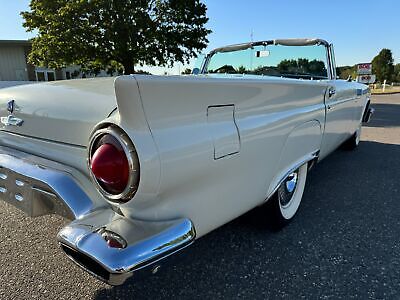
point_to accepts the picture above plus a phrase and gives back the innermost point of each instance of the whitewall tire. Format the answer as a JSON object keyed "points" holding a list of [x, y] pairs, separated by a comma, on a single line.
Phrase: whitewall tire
{"points": [[285, 203]]}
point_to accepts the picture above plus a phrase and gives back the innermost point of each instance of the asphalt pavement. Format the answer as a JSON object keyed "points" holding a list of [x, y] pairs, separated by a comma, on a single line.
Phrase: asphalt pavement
{"points": [[343, 244]]}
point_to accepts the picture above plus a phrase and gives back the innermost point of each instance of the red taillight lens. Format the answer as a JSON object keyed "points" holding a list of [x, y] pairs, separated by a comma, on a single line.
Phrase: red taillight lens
{"points": [[110, 167], [114, 164]]}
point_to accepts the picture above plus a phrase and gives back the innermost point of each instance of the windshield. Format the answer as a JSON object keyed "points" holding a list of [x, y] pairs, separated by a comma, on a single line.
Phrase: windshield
{"points": [[306, 62]]}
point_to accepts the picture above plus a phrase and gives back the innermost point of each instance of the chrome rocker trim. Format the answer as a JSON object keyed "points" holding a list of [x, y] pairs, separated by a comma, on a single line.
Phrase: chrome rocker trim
{"points": [[39, 187]]}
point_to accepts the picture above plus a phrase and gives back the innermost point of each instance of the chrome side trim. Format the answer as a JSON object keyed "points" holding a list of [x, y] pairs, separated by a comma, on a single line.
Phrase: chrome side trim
{"points": [[40, 190], [307, 159], [147, 242]]}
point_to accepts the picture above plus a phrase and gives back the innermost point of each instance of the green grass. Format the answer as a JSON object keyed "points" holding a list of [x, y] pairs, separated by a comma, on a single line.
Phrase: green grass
{"points": [[388, 90]]}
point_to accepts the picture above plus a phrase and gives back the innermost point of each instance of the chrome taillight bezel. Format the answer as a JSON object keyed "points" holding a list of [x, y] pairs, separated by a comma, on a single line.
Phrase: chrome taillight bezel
{"points": [[133, 160]]}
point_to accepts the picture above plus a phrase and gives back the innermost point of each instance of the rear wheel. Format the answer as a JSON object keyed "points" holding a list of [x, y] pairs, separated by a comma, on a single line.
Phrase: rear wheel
{"points": [[286, 201]]}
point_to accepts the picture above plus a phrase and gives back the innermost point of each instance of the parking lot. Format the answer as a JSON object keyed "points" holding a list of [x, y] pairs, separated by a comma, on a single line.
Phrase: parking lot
{"points": [[344, 242]]}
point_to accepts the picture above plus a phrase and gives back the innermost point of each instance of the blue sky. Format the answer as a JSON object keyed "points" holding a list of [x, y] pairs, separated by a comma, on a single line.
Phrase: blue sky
{"points": [[359, 29]]}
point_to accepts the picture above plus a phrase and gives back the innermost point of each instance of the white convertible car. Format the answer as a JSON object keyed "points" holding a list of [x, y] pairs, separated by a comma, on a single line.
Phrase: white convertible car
{"points": [[144, 165]]}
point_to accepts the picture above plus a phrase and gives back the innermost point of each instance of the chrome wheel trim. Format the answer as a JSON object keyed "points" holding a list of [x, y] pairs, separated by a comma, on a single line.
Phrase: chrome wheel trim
{"points": [[291, 182], [289, 206], [287, 188]]}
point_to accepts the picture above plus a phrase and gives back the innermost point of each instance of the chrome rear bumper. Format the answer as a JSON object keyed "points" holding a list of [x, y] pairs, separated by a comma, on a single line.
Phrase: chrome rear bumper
{"points": [[39, 190], [147, 243], [39, 187]]}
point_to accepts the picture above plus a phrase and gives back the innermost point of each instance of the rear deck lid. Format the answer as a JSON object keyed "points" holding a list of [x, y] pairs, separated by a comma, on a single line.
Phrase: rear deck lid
{"points": [[62, 111]]}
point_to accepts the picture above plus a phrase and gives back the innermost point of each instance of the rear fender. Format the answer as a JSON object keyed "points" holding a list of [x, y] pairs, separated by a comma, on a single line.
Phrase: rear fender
{"points": [[301, 146], [131, 118]]}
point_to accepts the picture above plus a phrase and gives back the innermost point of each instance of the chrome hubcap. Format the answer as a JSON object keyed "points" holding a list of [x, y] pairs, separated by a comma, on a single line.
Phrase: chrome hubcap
{"points": [[291, 182], [287, 189]]}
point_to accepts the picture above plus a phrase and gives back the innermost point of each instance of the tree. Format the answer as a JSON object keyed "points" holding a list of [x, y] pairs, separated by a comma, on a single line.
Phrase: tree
{"points": [[224, 69], [382, 65], [143, 72], [396, 76], [102, 34], [302, 66], [242, 70], [346, 71], [187, 71]]}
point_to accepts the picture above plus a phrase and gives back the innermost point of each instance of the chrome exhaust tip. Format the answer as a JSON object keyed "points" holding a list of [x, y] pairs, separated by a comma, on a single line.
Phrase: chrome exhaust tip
{"points": [[90, 265]]}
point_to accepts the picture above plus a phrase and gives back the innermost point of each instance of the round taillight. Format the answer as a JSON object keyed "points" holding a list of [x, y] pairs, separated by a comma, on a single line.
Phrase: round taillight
{"points": [[111, 168], [114, 164]]}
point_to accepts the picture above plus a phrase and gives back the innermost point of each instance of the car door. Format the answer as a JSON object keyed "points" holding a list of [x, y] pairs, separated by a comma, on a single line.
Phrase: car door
{"points": [[339, 108]]}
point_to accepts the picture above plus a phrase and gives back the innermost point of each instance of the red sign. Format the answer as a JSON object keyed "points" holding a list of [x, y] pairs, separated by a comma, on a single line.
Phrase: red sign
{"points": [[364, 69]]}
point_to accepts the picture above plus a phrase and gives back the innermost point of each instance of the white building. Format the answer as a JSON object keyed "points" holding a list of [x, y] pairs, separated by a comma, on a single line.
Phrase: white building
{"points": [[14, 65]]}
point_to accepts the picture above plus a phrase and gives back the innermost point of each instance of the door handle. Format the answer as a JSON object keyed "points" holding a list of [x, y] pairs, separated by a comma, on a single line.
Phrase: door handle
{"points": [[331, 92]]}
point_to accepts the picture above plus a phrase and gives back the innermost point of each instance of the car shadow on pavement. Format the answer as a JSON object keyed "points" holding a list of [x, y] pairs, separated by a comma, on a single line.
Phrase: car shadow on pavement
{"points": [[386, 115], [343, 242]]}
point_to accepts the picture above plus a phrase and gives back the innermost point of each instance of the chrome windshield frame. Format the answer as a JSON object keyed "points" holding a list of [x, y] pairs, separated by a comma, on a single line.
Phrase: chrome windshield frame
{"points": [[283, 42]]}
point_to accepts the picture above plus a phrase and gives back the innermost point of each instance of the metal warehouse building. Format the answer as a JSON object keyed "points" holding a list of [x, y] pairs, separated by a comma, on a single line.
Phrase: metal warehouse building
{"points": [[13, 61], [14, 65]]}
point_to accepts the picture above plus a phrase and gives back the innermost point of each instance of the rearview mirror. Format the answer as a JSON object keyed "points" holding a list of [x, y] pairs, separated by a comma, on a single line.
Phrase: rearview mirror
{"points": [[263, 53]]}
